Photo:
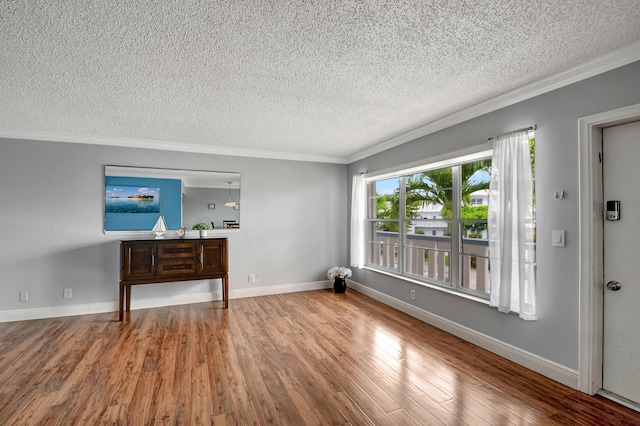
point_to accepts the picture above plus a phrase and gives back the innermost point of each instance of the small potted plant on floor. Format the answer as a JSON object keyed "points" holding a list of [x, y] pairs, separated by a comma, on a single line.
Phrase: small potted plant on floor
{"points": [[203, 227], [339, 276]]}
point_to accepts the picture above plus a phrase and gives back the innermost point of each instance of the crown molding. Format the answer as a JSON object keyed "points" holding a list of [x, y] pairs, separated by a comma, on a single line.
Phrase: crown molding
{"points": [[612, 60], [168, 146]]}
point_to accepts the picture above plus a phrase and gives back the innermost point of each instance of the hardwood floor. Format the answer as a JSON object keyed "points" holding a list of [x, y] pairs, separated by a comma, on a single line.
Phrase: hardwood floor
{"points": [[305, 358]]}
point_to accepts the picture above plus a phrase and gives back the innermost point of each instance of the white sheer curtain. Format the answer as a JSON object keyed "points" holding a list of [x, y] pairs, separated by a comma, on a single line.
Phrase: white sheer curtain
{"points": [[509, 220], [358, 213]]}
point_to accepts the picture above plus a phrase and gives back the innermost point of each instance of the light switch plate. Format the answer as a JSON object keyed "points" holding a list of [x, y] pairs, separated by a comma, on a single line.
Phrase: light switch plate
{"points": [[557, 238]]}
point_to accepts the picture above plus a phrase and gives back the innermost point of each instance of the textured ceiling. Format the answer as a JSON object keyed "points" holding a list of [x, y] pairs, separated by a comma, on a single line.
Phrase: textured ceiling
{"points": [[313, 77]]}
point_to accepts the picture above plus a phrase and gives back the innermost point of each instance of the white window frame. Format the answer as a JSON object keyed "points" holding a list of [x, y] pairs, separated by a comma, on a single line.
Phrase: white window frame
{"points": [[483, 152]]}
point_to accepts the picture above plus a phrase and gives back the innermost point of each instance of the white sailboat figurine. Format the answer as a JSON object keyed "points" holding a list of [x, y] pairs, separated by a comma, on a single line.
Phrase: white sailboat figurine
{"points": [[160, 228]]}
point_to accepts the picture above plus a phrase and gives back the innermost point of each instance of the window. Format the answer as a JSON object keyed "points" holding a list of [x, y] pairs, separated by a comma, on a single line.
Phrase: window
{"points": [[449, 248]]}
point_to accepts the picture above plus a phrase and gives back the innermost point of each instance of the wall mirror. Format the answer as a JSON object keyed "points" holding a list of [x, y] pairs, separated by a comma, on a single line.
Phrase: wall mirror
{"points": [[135, 197]]}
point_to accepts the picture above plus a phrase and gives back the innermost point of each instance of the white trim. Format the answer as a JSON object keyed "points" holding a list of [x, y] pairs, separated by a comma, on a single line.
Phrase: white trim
{"points": [[438, 287], [590, 261], [612, 60], [180, 299], [620, 400], [474, 153], [279, 289], [540, 365], [168, 146], [57, 311], [136, 303], [98, 308]]}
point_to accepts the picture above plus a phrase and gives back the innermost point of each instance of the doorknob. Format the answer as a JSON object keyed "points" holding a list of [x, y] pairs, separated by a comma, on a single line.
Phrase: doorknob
{"points": [[614, 285]]}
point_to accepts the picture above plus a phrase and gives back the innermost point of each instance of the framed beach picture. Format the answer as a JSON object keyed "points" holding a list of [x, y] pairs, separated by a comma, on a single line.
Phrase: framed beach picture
{"points": [[131, 199]]}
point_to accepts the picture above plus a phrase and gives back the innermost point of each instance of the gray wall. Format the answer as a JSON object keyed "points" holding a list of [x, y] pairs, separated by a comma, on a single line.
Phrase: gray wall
{"points": [[51, 221], [555, 334]]}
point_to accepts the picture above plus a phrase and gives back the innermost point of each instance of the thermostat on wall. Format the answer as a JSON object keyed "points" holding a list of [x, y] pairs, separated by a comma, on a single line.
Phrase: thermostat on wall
{"points": [[613, 210]]}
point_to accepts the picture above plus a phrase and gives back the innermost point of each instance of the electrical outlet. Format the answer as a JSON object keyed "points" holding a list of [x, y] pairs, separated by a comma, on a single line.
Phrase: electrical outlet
{"points": [[252, 278], [68, 294], [24, 296], [413, 294]]}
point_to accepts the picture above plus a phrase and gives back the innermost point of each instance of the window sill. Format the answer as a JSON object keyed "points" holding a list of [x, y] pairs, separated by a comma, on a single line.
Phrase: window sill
{"points": [[431, 286]]}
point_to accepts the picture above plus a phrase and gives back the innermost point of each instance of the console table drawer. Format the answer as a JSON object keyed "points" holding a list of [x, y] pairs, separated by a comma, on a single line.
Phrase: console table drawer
{"points": [[176, 267], [174, 250]]}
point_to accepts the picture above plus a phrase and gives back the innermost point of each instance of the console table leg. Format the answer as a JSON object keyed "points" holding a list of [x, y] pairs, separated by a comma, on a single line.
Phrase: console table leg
{"points": [[225, 290], [128, 290], [121, 313]]}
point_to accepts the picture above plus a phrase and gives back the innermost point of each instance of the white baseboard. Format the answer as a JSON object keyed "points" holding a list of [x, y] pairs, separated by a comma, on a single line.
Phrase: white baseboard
{"points": [[540, 365], [57, 311], [279, 289], [136, 303], [180, 299]]}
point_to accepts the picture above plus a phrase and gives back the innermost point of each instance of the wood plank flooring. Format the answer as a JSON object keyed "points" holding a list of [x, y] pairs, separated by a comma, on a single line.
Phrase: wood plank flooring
{"points": [[309, 358]]}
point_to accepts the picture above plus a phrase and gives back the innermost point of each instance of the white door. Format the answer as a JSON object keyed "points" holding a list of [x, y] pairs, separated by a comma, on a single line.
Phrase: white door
{"points": [[621, 182]]}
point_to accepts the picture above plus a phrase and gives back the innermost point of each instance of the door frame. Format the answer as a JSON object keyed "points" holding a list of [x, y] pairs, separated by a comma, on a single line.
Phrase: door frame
{"points": [[591, 259]]}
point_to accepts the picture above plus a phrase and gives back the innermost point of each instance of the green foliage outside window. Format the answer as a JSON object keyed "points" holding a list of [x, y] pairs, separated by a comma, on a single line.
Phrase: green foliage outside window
{"points": [[435, 187]]}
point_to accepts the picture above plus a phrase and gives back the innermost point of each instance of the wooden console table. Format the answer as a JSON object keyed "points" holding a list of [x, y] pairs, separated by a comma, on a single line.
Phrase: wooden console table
{"points": [[161, 261]]}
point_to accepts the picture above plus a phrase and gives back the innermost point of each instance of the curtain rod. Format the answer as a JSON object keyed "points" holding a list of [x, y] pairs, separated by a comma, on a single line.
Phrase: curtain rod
{"points": [[530, 128]]}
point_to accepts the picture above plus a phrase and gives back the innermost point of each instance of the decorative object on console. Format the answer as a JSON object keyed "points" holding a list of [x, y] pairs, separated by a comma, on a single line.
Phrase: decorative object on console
{"points": [[203, 227], [160, 228], [181, 232], [339, 274]]}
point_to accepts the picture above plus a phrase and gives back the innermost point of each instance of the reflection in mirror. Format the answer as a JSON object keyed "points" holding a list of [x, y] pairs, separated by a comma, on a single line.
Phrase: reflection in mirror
{"points": [[136, 197]]}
